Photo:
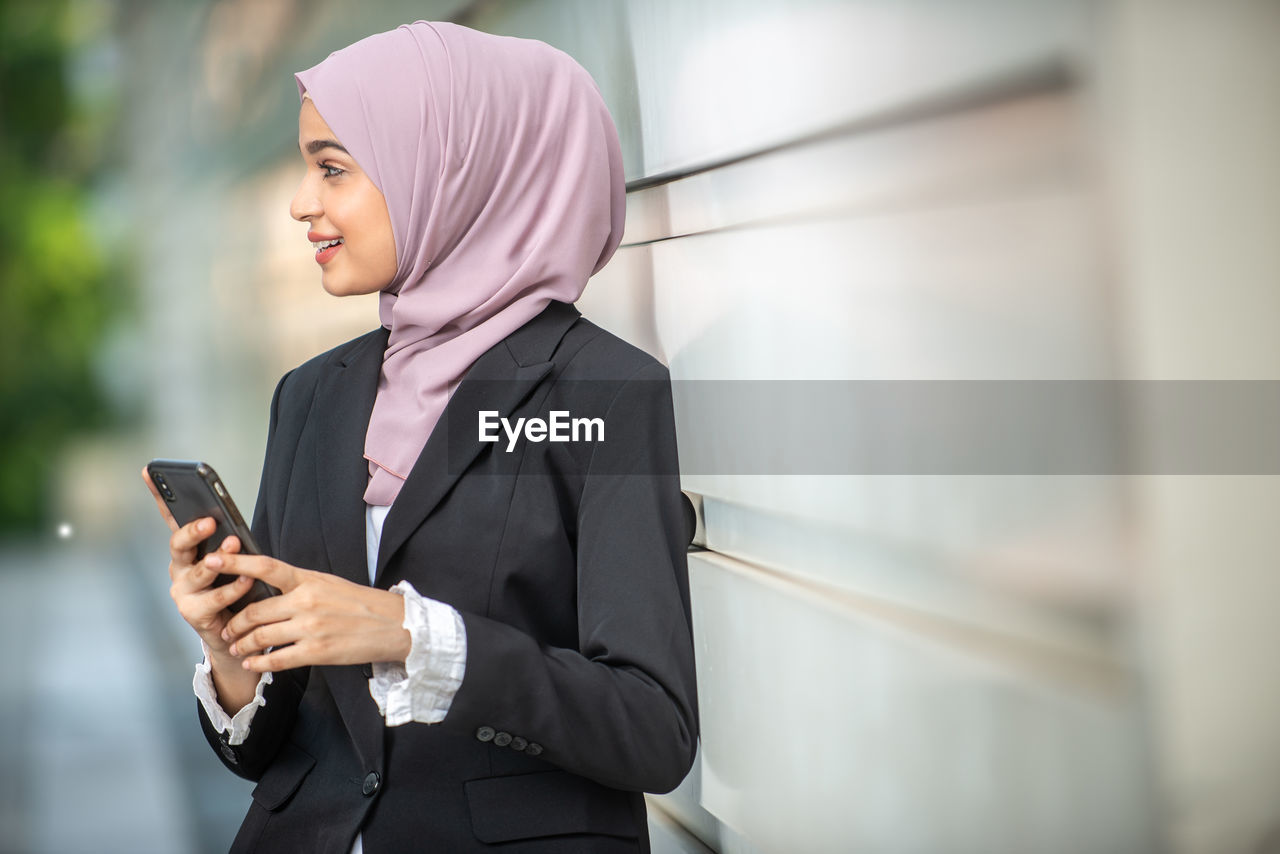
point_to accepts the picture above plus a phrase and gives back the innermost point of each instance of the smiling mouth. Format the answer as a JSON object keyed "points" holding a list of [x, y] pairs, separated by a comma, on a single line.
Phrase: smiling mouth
{"points": [[326, 251]]}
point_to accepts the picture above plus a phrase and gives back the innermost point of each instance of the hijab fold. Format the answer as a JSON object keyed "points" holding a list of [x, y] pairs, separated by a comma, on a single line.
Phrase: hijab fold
{"points": [[502, 173]]}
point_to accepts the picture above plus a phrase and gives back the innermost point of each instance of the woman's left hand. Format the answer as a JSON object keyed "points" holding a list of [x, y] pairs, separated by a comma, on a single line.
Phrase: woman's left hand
{"points": [[326, 619]]}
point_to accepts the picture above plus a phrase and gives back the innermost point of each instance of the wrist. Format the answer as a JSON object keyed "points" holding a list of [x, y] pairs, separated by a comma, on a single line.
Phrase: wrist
{"points": [[223, 662], [403, 640]]}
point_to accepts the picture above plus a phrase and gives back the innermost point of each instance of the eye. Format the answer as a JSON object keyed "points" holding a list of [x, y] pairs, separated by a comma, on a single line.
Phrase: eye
{"points": [[331, 171]]}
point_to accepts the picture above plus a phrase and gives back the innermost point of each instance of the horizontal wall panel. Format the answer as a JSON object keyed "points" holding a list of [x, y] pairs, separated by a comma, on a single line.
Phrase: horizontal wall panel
{"points": [[998, 290], [1019, 145], [722, 78], [1057, 540], [668, 834], [1056, 596], [694, 83], [827, 729]]}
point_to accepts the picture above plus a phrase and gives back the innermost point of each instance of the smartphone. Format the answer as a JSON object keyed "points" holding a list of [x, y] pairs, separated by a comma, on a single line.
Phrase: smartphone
{"points": [[193, 490]]}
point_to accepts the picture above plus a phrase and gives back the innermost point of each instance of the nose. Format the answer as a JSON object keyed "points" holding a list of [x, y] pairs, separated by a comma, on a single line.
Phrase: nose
{"points": [[305, 204]]}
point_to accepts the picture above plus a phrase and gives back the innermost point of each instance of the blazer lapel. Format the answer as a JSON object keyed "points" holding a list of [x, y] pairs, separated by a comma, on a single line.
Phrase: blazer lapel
{"points": [[500, 380], [343, 403]]}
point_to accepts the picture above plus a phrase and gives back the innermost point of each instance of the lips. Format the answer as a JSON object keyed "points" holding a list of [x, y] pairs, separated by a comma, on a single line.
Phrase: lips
{"points": [[326, 251], [326, 245]]}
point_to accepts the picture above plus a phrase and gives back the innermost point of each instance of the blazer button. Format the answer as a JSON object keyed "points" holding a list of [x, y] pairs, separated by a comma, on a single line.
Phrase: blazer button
{"points": [[502, 739], [518, 743], [371, 783], [485, 733], [534, 748], [229, 753]]}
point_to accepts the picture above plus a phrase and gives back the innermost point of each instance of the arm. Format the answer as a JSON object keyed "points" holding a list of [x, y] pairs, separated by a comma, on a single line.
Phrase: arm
{"points": [[622, 708], [234, 727]]}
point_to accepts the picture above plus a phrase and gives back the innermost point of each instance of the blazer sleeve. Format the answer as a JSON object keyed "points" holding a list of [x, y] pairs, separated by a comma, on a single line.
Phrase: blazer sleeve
{"points": [[622, 708], [274, 719]]}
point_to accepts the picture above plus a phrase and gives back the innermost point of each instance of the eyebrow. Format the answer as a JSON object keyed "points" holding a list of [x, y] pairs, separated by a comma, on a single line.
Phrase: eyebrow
{"points": [[316, 145]]}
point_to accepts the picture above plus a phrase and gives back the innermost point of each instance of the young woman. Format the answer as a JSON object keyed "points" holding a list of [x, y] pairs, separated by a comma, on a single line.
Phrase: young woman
{"points": [[479, 643]]}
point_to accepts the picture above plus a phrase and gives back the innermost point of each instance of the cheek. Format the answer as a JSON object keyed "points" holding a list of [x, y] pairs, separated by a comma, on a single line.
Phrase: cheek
{"points": [[389, 248], [379, 234]]}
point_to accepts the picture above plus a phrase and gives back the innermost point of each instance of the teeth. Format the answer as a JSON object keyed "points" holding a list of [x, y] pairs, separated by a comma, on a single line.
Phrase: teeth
{"points": [[325, 244]]}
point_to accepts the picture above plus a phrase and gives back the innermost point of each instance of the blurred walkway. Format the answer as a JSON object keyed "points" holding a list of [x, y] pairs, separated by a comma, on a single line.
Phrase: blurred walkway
{"points": [[99, 746]]}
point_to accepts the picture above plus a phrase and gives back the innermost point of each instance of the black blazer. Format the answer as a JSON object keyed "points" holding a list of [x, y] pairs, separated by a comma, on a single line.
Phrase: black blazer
{"points": [[567, 562]]}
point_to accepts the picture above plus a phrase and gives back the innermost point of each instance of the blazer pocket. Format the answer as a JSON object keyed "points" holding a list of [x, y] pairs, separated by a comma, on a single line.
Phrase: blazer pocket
{"points": [[283, 777], [547, 803]]}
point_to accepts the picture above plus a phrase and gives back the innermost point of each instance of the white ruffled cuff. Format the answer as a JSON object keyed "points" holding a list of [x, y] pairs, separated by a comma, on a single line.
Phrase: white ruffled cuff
{"points": [[208, 695], [423, 687]]}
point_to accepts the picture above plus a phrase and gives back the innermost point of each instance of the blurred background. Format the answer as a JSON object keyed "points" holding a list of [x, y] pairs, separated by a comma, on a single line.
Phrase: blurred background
{"points": [[913, 190]]}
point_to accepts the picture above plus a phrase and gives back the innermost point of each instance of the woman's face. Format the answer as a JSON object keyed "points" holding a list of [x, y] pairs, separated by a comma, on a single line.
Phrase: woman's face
{"points": [[337, 200]]}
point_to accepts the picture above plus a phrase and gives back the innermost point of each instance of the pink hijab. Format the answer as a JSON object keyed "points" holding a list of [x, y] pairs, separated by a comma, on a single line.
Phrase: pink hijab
{"points": [[501, 170]]}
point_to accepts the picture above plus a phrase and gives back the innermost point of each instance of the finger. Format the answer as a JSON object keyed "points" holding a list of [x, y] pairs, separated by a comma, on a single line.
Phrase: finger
{"points": [[270, 610], [202, 606], [199, 575], [265, 637], [194, 577], [183, 543], [160, 502], [277, 573], [287, 658]]}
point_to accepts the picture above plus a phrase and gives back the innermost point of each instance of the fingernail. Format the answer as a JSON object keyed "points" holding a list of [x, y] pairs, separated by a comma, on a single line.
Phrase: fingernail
{"points": [[226, 634], [245, 664], [234, 650], [213, 561]]}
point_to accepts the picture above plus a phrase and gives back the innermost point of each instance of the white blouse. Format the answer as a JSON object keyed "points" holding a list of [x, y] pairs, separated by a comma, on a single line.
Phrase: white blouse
{"points": [[419, 690]]}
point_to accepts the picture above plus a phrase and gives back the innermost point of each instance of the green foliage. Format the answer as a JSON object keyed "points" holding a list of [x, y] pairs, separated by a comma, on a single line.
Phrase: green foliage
{"points": [[59, 288]]}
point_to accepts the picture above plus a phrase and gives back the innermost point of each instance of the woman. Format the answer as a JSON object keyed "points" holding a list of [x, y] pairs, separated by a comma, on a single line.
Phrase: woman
{"points": [[478, 643]]}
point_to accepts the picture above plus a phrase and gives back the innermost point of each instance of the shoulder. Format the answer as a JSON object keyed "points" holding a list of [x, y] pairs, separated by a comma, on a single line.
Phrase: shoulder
{"points": [[299, 384], [597, 354], [628, 391], [610, 378]]}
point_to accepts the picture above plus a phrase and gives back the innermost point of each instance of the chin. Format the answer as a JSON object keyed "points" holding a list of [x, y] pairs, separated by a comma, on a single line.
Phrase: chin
{"points": [[344, 289], [333, 290]]}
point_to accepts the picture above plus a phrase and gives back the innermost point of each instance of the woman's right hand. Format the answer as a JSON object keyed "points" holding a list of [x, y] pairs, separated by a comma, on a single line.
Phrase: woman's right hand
{"points": [[200, 604], [203, 606]]}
